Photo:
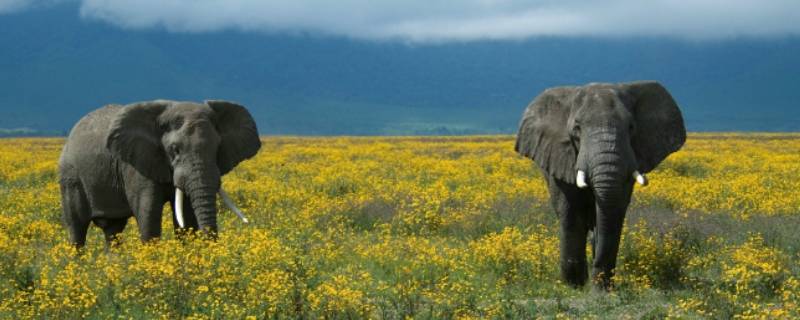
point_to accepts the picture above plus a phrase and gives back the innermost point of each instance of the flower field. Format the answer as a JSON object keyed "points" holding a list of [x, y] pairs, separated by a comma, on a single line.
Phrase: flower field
{"points": [[398, 228]]}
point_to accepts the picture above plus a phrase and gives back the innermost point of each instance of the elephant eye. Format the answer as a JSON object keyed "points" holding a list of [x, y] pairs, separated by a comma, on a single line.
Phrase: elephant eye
{"points": [[174, 150], [177, 124]]}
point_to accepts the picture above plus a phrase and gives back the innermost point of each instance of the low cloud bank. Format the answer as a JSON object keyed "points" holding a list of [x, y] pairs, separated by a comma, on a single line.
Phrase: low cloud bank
{"points": [[439, 20]]}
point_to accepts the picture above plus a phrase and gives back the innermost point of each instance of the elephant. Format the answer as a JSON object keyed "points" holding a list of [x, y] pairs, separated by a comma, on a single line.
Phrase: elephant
{"points": [[122, 161], [591, 143]]}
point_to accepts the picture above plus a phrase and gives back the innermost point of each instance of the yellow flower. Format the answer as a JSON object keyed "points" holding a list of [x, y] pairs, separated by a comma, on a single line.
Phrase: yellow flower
{"points": [[405, 227]]}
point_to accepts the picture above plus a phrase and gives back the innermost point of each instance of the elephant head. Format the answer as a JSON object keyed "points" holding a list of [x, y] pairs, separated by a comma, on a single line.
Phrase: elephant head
{"points": [[189, 145], [603, 137]]}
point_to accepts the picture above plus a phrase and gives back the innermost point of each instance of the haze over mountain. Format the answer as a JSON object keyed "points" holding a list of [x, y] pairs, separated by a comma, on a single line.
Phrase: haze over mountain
{"points": [[62, 59]]}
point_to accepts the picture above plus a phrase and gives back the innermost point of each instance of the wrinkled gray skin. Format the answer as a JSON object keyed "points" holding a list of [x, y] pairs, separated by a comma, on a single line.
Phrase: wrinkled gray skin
{"points": [[608, 131], [123, 161]]}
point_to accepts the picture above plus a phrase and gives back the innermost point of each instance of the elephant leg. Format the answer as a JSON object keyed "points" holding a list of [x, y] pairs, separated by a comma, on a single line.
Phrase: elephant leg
{"points": [[111, 228], [76, 212], [148, 207], [573, 249], [593, 231], [573, 206]]}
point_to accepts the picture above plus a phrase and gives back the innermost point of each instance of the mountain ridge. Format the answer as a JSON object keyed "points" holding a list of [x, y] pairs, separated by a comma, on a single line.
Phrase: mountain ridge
{"points": [[58, 67]]}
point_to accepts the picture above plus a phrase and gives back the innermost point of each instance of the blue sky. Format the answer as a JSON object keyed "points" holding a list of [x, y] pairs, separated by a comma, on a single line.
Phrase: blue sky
{"points": [[446, 20]]}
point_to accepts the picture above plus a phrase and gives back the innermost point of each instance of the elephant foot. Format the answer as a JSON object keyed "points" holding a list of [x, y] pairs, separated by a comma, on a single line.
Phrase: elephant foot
{"points": [[602, 280], [574, 272]]}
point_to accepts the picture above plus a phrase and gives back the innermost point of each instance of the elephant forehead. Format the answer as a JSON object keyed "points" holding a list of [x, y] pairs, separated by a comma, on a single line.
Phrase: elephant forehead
{"points": [[201, 134], [603, 112], [187, 110], [602, 97]]}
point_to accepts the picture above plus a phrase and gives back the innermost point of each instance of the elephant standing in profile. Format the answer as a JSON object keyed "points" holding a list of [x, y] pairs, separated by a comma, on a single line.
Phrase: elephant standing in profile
{"points": [[591, 143], [123, 161]]}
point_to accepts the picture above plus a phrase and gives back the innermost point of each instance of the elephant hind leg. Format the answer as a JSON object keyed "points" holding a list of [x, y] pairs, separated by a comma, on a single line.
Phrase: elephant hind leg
{"points": [[111, 228], [76, 212]]}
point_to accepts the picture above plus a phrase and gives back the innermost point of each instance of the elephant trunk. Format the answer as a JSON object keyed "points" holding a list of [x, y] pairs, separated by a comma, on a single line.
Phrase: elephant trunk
{"points": [[609, 188], [202, 188], [611, 164], [205, 207], [611, 171], [612, 202]]}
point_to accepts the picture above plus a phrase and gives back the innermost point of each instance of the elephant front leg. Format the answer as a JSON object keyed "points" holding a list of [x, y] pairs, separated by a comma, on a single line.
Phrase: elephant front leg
{"points": [[575, 208], [111, 228], [148, 207], [573, 250]]}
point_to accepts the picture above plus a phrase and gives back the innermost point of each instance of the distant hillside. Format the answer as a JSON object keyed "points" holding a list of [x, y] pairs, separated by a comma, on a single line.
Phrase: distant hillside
{"points": [[56, 67]]}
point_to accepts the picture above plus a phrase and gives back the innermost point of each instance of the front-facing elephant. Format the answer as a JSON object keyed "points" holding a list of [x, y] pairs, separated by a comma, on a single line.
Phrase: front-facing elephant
{"points": [[592, 143], [123, 161]]}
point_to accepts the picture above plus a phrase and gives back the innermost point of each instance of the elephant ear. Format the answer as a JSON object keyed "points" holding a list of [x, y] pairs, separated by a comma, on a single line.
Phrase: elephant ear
{"points": [[659, 124], [238, 133], [544, 133], [135, 137]]}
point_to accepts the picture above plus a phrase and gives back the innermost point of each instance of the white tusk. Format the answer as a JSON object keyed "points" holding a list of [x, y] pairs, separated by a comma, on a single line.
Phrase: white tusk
{"points": [[580, 179], [640, 178], [228, 202], [179, 207]]}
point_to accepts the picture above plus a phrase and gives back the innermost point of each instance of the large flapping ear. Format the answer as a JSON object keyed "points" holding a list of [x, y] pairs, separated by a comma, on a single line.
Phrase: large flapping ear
{"points": [[544, 133], [135, 138], [238, 132], [659, 124]]}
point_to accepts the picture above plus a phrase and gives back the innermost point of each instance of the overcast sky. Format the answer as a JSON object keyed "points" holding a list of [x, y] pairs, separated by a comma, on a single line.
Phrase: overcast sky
{"points": [[447, 20]]}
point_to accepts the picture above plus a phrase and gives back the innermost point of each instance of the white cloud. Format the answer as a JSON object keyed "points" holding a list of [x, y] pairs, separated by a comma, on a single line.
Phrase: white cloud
{"points": [[11, 6], [443, 20]]}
